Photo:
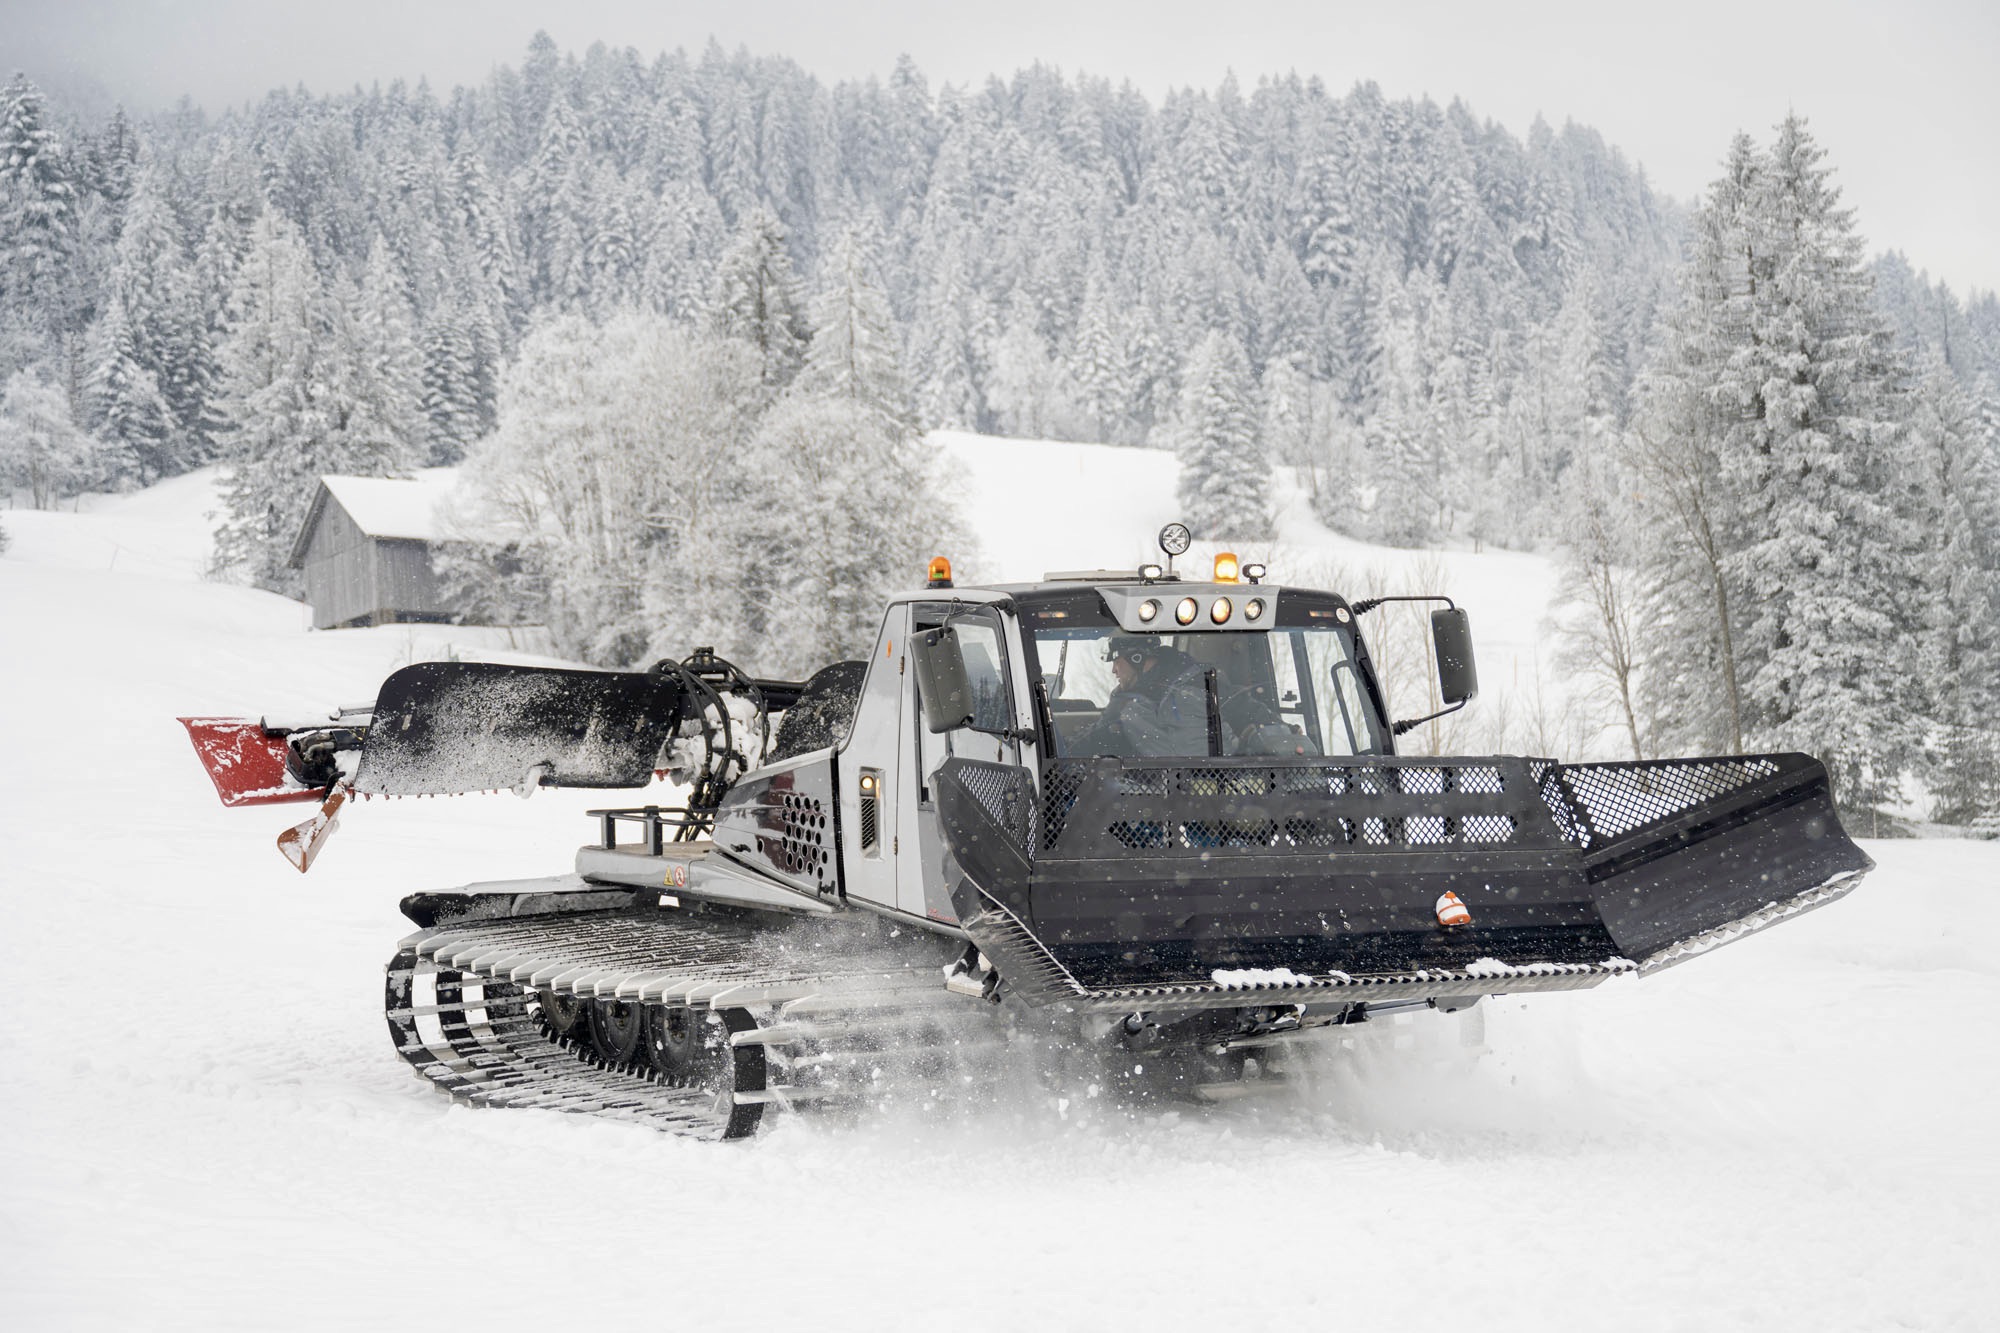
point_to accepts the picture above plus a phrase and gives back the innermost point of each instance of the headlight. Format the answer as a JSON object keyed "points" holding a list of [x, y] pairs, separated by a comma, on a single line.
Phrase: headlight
{"points": [[1219, 610], [1148, 609], [1187, 611], [1253, 609]]}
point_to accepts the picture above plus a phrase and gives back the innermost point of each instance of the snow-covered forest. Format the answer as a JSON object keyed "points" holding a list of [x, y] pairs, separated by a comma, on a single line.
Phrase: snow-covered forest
{"points": [[687, 306]]}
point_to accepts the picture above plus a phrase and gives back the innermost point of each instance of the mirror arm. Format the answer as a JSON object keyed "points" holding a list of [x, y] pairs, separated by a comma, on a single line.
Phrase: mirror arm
{"points": [[1411, 724], [1367, 604]]}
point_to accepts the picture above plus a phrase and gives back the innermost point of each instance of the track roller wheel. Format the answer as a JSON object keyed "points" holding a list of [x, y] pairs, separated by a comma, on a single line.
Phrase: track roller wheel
{"points": [[563, 1013], [678, 1045], [616, 1030]]}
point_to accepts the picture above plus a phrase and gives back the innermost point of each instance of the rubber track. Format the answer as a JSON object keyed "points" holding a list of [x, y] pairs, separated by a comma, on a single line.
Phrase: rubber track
{"points": [[460, 1001]]}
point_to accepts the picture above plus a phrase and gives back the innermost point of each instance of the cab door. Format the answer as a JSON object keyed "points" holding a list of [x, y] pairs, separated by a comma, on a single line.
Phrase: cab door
{"points": [[991, 671]]}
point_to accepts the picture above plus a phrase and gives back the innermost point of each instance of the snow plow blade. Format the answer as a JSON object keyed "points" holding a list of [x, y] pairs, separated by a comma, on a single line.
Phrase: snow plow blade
{"points": [[246, 761], [1155, 884], [447, 727]]}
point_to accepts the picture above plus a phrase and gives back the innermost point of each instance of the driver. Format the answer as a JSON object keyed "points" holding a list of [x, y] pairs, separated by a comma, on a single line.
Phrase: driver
{"points": [[1160, 706]]}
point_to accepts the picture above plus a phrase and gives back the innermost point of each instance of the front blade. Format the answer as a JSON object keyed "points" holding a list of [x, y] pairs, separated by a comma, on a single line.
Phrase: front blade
{"points": [[1686, 854], [246, 761], [442, 727]]}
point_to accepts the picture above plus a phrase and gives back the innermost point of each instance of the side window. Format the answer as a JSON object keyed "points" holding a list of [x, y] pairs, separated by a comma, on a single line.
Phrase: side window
{"points": [[1343, 712], [1079, 674], [985, 654], [1295, 699], [979, 640]]}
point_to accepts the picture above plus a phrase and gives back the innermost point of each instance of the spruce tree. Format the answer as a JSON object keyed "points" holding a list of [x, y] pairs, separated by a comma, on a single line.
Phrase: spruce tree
{"points": [[1957, 479], [1225, 474], [852, 355], [131, 415], [756, 297], [277, 429], [1827, 563], [38, 230], [1691, 522]]}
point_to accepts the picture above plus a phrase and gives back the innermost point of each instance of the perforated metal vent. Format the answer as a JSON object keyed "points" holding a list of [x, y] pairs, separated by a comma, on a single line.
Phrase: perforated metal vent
{"points": [[802, 835]]}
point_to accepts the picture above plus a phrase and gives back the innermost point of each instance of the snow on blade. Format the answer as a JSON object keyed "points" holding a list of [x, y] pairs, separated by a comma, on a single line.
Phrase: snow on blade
{"points": [[1242, 977]]}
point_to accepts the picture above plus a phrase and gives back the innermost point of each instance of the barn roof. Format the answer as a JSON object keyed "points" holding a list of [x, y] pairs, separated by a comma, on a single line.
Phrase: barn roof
{"points": [[392, 508]]}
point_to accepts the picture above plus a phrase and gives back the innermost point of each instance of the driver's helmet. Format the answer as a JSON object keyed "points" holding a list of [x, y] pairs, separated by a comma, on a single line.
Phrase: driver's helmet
{"points": [[1133, 648]]}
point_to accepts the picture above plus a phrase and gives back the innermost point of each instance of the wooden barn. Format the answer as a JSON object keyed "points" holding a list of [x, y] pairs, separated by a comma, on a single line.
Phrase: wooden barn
{"points": [[366, 550]]}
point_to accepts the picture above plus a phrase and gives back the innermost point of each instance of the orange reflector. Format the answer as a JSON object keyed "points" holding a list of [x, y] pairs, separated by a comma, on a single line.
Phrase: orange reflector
{"points": [[940, 576], [1225, 567], [1452, 910]]}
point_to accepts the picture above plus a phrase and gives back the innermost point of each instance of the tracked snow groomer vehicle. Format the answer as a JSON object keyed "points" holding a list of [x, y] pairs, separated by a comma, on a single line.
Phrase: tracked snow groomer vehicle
{"points": [[1152, 817]]}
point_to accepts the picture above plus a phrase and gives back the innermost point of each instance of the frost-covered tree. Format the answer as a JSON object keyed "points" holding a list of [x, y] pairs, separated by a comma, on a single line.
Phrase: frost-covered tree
{"points": [[1816, 456], [1225, 471], [853, 354], [606, 475], [312, 383], [1778, 541], [757, 298], [38, 230], [449, 395], [159, 327], [274, 430], [131, 415], [1691, 523], [41, 450], [378, 393], [1957, 479], [846, 515]]}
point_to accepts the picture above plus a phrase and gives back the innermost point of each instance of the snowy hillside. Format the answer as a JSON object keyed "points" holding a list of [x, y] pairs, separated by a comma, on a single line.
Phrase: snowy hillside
{"points": [[1038, 506], [204, 1125]]}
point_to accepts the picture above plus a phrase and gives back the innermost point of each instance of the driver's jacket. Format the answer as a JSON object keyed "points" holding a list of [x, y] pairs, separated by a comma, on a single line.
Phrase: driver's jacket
{"points": [[1164, 713]]}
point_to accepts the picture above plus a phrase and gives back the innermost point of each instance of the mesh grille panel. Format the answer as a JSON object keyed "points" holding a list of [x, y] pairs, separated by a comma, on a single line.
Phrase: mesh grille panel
{"points": [[1611, 800], [1003, 791], [1199, 805]]}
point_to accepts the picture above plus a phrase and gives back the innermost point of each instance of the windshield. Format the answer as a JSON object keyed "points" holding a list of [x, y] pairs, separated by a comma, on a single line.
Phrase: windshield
{"points": [[1282, 692]]}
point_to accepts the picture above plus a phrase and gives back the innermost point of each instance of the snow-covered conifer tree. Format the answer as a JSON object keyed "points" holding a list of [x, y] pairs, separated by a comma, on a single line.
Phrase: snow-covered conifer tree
{"points": [[277, 429], [378, 390], [450, 390], [130, 413], [757, 297], [1828, 558], [852, 355], [1225, 472], [162, 331], [1690, 523], [1957, 478], [38, 230]]}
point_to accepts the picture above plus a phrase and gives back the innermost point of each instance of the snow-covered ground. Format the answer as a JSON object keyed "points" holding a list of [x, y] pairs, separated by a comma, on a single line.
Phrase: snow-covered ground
{"points": [[202, 1123]]}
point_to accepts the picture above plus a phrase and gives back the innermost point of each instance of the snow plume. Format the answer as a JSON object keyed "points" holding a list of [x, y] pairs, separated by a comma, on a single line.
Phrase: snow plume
{"points": [[649, 487]]}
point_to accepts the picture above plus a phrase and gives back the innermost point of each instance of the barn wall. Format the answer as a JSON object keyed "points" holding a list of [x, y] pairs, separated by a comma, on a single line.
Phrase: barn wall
{"points": [[404, 583], [339, 569]]}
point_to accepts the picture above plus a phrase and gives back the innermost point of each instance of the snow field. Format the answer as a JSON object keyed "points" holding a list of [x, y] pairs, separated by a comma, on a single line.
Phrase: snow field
{"points": [[202, 1123]]}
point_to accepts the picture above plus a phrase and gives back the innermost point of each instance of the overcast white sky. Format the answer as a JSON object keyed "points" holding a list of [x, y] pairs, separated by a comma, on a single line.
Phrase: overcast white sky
{"points": [[1904, 97]]}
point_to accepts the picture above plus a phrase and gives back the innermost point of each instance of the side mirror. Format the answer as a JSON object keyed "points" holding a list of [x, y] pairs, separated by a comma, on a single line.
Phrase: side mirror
{"points": [[1458, 676], [941, 679]]}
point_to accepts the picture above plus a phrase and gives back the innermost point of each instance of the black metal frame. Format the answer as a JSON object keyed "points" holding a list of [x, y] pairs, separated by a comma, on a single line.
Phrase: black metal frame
{"points": [[1135, 868], [655, 819]]}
